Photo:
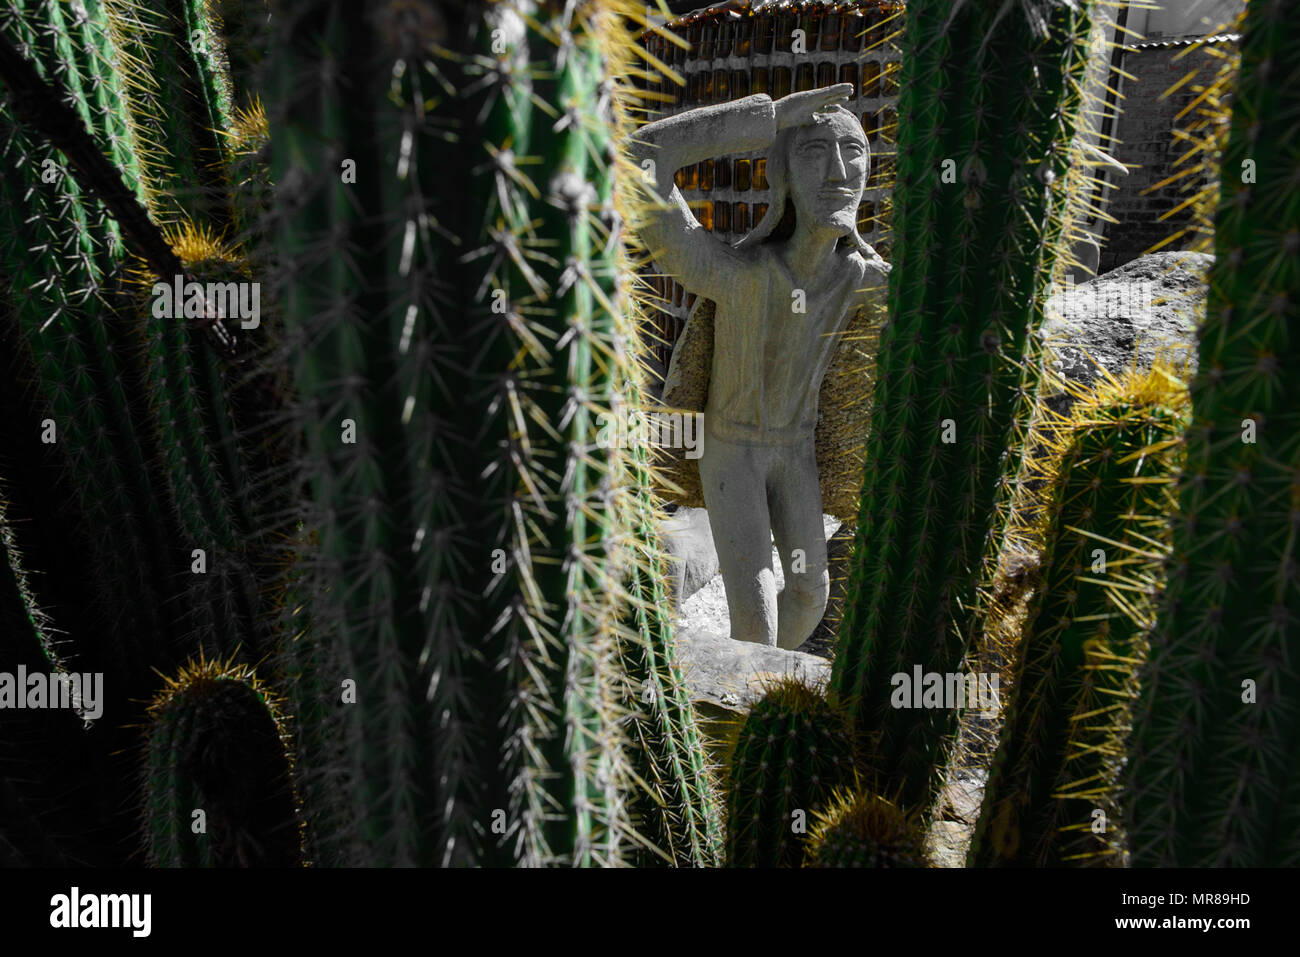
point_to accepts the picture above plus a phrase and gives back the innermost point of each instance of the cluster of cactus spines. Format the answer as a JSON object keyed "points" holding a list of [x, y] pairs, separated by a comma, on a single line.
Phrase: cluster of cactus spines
{"points": [[675, 804], [1057, 762], [218, 783], [122, 436], [220, 483], [1211, 778], [179, 103], [970, 256], [549, 485], [380, 598], [795, 748], [859, 828]]}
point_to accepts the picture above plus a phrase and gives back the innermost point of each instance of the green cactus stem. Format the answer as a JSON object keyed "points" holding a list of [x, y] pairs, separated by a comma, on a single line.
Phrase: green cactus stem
{"points": [[217, 780], [862, 829], [972, 247], [1051, 795], [1211, 778]]}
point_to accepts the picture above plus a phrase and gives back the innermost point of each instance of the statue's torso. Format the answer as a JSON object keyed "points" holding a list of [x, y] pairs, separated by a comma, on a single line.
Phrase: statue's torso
{"points": [[768, 359]]}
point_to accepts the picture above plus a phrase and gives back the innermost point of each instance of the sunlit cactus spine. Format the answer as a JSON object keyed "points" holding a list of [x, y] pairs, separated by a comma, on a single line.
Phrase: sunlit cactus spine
{"points": [[450, 376], [1051, 795], [860, 829], [1211, 778], [795, 748], [218, 784], [976, 229]]}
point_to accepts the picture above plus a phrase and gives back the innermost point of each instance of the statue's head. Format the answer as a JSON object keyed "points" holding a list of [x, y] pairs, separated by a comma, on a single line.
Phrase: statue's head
{"points": [[827, 162], [817, 170]]}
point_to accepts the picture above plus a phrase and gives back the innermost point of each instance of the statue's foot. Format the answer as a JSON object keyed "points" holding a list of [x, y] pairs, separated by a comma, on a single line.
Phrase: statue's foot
{"points": [[798, 615]]}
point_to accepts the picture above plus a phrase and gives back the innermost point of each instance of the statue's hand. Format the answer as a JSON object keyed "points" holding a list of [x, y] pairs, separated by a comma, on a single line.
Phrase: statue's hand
{"points": [[796, 109]]}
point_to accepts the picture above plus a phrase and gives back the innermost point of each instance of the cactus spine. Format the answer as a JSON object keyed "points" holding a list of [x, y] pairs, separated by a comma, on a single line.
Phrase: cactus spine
{"points": [[948, 376], [1211, 777], [1057, 762], [457, 486]]}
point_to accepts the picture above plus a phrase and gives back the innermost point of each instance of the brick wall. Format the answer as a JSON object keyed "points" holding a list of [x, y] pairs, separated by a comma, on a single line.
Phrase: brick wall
{"points": [[1145, 130]]}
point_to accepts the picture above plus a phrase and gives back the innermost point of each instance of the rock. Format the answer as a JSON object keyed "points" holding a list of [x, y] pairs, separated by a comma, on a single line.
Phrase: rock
{"points": [[1124, 318], [733, 675], [947, 842], [961, 797], [688, 540]]}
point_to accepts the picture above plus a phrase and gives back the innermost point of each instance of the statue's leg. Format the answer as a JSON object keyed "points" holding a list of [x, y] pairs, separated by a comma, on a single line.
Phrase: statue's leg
{"points": [[735, 495], [795, 499]]}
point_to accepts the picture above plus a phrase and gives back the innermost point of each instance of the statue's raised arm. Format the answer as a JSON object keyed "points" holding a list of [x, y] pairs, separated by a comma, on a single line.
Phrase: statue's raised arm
{"points": [[677, 241]]}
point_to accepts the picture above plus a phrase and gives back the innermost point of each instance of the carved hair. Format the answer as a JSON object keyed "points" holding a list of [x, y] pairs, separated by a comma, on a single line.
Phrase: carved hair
{"points": [[778, 221]]}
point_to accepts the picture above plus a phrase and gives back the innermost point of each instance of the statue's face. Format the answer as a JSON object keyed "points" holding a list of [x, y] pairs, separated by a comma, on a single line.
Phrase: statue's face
{"points": [[827, 170]]}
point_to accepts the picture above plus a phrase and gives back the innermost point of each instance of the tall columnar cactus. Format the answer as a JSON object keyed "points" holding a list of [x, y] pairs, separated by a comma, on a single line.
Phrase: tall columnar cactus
{"points": [[862, 829], [465, 599], [1211, 776], [1057, 763], [218, 782], [795, 748], [71, 359], [986, 119]]}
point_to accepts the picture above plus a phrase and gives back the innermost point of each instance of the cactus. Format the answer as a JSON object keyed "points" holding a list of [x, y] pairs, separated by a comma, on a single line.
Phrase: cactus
{"points": [[948, 374], [1211, 777], [795, 747], [180, 103], [1056, 765], [400, 475], [218, 784], [71, 352], [862, 829], [524, 511]]}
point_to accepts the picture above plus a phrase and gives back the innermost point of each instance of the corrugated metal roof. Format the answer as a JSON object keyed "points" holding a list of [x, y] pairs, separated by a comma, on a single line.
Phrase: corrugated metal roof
{"points": [[1183, 41]]}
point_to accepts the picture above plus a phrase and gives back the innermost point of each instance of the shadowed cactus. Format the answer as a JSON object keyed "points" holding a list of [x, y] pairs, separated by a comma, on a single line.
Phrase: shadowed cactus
{"points": [[1211, 776], [218, 784]]}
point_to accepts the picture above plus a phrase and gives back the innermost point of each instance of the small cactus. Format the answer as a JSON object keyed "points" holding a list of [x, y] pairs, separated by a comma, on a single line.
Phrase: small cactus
{"points": [[218, 783], [862, 829], [795, 747]]}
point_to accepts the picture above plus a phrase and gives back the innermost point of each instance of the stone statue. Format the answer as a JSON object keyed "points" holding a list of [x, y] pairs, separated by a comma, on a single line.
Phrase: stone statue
{"points": [[784, 293]]}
